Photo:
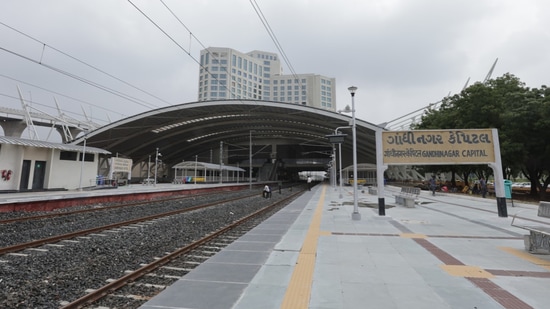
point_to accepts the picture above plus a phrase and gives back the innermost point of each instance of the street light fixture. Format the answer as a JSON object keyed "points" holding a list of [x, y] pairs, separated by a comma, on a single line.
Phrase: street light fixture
{"points": [[82, 157], [149, 171], [250, 161], [157, 155], [338, 138], [355, 215]]}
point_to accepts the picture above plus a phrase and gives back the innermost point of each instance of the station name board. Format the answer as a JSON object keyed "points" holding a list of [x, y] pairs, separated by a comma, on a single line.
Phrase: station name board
{"points": [[468, 146], [121, 165]]}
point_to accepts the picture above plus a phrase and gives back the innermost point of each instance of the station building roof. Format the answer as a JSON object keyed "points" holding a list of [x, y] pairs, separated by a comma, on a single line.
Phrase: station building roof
{"points": [[43, 144], [186, 131]]}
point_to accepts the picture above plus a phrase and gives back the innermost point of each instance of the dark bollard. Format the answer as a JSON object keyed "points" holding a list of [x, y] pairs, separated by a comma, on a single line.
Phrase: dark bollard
{"points": [[381, 207], [501, 205]]}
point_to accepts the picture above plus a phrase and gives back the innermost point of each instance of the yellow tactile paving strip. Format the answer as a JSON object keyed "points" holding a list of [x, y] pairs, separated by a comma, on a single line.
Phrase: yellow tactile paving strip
{"points": [[466, 271], [528, 257], [298, 291]]}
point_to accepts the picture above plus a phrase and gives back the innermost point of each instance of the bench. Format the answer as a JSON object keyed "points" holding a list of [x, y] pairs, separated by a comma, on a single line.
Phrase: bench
{"points": [[538, 240], [407, 197], [373, 191], [148, 181]]}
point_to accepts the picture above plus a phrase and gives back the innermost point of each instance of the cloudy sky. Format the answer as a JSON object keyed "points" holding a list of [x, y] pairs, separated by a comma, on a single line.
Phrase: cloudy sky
{"points": [[104, 57]]}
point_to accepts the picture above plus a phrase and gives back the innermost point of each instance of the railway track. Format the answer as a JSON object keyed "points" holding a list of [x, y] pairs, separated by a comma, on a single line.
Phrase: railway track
{"points": [[153, 210], [96, 208], [172, 261], [54, 269]]}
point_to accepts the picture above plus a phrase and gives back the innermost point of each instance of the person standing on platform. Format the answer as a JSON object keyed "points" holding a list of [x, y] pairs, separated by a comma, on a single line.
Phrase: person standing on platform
{"points": [[483, 187], [309, 183], [433, 185]]}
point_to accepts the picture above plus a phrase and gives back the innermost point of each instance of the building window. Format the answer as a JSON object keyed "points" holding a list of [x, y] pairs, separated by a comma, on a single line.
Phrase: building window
{"points": [[89, 157], [68, 155]]}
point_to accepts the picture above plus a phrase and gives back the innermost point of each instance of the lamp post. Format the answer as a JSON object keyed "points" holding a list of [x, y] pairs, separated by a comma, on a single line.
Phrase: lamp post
{"points": [[82, 164], [338, 138], [157, 155], [340, 168], [333, 173], [149, 170], [250, 162], [195, 178], [340, 157], [355, 215]]}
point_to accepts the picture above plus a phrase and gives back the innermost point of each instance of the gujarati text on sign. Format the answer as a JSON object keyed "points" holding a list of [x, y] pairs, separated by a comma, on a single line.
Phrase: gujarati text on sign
{"points": [[469, 146]]}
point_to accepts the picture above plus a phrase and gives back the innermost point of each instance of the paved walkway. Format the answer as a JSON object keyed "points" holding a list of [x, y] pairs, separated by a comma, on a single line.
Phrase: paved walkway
{"points": [[450, 251]]}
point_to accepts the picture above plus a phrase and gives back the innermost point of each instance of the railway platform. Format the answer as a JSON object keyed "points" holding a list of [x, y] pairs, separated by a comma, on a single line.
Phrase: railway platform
{"points": [[449, 251], [50, 200]]}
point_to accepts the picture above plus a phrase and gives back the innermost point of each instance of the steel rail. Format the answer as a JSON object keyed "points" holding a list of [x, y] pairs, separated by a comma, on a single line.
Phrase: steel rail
{"points": [[123, 281], [57, 238], [131, 204]]}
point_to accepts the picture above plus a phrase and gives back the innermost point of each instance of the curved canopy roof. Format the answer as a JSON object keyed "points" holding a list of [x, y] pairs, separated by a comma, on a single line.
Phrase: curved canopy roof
{"points": [[190, 165], [187, 131]]}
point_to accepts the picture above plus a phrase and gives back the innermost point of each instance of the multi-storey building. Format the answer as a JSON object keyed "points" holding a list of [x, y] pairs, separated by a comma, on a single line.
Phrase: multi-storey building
{"points": [[229, 74]]}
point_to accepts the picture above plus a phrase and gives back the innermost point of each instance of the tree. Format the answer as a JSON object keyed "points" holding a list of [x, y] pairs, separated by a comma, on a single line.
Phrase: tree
{"points": [[521, 115]]}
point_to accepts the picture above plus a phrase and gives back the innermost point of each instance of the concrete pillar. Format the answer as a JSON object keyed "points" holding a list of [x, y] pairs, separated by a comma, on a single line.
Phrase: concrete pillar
{"points": [[13, 128]]}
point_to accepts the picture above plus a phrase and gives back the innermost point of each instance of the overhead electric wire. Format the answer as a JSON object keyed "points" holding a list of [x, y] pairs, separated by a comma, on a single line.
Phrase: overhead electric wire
{"points": [[271, 33], [99, 86], [84, 63], [181, 23], [188, 52], [60, 94]]}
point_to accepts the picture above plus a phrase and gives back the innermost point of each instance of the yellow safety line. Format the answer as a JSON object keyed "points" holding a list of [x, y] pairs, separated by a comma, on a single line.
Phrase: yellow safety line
{"points": [[528, 257], [299, 288]]}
